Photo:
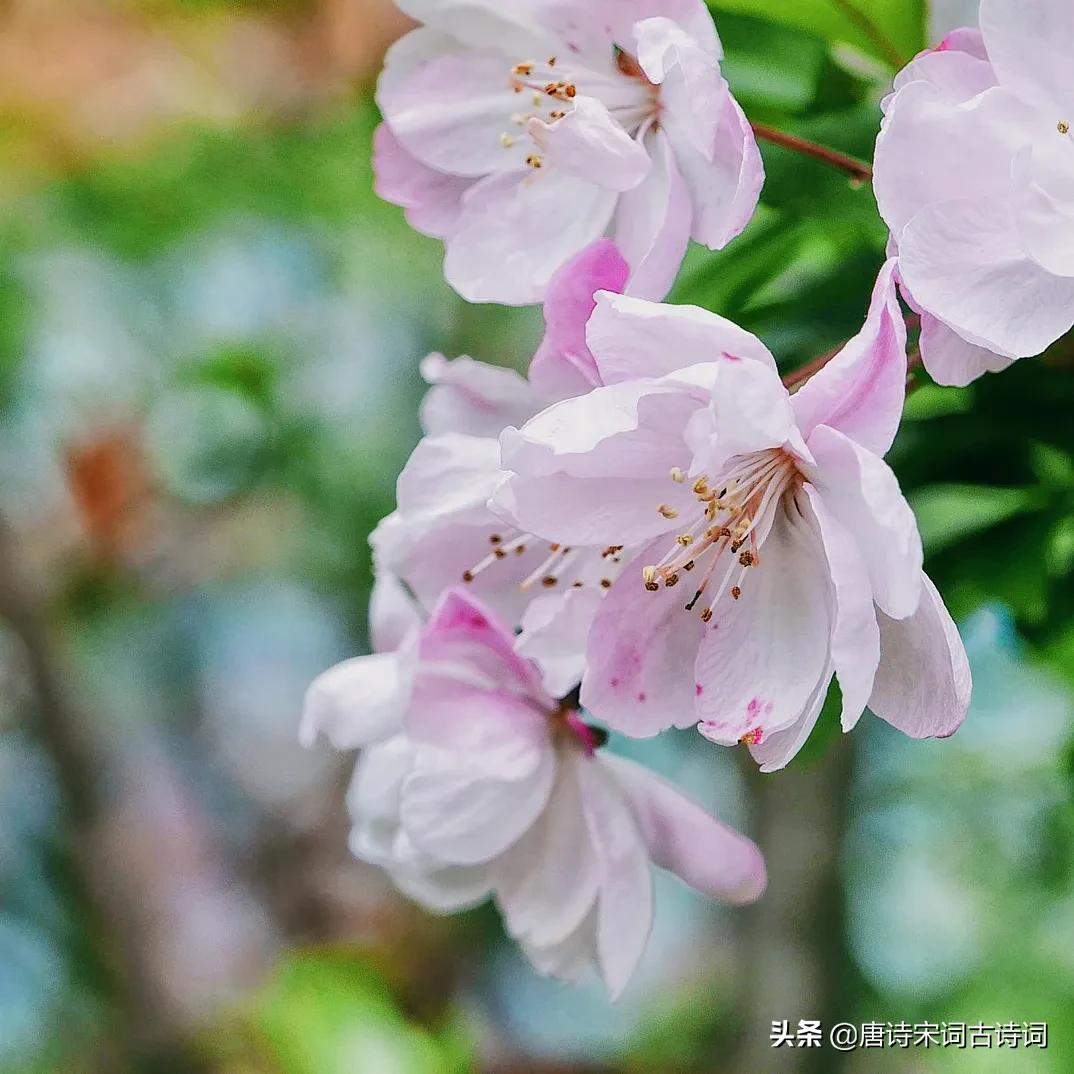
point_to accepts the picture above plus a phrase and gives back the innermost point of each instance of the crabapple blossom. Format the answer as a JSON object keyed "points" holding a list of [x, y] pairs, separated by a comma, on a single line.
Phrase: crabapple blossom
{"points": [[776, 547], [442, 531], [485, 785], [521, 132], [974, 175]]}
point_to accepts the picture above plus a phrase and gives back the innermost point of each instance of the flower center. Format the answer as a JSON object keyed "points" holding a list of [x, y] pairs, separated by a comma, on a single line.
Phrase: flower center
{"points": [[625, 91], [737, 513], [560, 567]]}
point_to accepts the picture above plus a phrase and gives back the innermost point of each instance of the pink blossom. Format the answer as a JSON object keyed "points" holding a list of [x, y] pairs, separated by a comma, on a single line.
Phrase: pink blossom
{"points": [[486, 786], [442, 531], [975, 178], [519, 133], [777, 548]]}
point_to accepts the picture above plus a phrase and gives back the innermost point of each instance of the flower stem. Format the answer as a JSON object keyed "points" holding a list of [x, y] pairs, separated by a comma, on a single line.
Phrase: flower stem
{"points": [[858, 170]]}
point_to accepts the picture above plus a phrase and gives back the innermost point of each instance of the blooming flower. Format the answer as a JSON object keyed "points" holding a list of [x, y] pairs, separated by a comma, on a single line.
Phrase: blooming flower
{"points": [[975, 178], [519, 133], [777, 547], [442, 531], [486, 785]]}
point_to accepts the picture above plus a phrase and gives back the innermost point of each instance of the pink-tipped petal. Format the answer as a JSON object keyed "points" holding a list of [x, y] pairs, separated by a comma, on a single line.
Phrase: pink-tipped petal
{"points": [[684, 839]]}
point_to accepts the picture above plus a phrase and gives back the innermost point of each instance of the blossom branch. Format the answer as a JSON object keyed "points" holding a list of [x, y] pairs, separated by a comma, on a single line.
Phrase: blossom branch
{"points": [[797, 377], [858, 170], [868, 27]]}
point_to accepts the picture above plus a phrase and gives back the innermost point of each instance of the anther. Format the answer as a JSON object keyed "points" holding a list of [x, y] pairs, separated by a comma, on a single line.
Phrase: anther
{"points": [[506, 140], [571, 91], [467, 576], [747, 559], [605, 583], [736, 592], [499, 553], [684, 539], [648, 574], [520, 549], [553, 548], [706, 615], [549, 581], [653, 587], [668, 511], [1063, 127], [677, 475], [688, 566], [495, 538], [534, 161], [523, 69], [672, 579], [701, 486]]}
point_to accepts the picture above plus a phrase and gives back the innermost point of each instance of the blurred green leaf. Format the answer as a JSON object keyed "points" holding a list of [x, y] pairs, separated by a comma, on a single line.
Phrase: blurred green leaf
{"points": [[330, 1013], [889, 30], [947, 514]]}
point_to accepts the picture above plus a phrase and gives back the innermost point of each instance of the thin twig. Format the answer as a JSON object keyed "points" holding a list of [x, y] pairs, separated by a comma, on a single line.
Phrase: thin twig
{"points": [[858, 170], [865, 23], [797, 377]]}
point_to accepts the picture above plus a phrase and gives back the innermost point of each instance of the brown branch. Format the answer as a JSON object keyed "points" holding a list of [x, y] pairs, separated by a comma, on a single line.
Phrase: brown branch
{"points": [[865, 23], [858, 170]]}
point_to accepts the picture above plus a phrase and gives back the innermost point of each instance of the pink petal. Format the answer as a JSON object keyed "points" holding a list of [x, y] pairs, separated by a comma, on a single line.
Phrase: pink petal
{"points": [[432, 199], [725, 182], [863, 495], [1045, 176], [393, 614], [359, 701], [855, 644], [1029, 46], [950, 360], [682, 838], [474, 398], [590, 144], [516, 231], [968, 148], [466, 808], [763, 655], [448, 107], [965, 263], [777, 750], [632, 338], [625, 902], [548, 882], [959, 73], [564, 366], [554, 633], [640, 654], [861, 391], [923, 684], [652, 225]]}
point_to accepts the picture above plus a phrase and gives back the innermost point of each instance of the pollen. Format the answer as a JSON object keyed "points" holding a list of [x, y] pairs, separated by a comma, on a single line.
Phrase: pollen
{"points": [[677, 475], [1063, 127], [648, 574], [701, 486], [747, 559], [534, 161], [668, 511], [685, 539]]}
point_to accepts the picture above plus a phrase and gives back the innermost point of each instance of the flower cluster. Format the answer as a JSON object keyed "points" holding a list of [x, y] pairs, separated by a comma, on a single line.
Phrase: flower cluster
{"points": [[651, 528]]}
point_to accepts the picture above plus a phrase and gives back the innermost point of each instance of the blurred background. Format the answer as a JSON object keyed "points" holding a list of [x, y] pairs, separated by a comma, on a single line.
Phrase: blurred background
{"points": [[209, 336]]}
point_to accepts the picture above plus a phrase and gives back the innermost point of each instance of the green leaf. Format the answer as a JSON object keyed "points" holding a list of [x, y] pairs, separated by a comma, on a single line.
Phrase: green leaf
{"points": [[332, 1014], [947, 514], [889, 30]]}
